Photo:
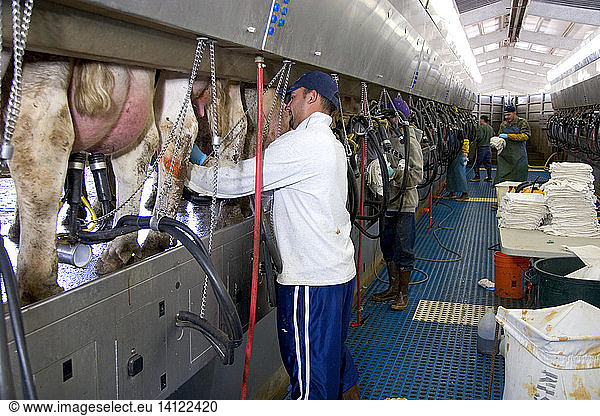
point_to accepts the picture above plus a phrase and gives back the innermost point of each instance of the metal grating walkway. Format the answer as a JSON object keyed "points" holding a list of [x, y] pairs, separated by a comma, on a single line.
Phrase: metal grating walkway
{"points": [[426, 351]]}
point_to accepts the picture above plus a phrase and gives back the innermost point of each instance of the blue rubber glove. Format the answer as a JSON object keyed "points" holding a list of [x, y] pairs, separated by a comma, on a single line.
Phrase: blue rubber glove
{"points": [[390, 172], [503, 136], [197, 156], [464, 160]]}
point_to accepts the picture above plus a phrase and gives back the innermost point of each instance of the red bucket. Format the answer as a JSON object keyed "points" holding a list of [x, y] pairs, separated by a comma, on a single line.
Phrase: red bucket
{"points": [[508, 275]]}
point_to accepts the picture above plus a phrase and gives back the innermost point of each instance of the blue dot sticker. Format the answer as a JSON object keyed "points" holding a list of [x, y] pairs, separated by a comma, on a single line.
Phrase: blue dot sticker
{"points": [[284, 11], [276, 7], [271, 30], [281, 22], [286, 1], [273, 18]]}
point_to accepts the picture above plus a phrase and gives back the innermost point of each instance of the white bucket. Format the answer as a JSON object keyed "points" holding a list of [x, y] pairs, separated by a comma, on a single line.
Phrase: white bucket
{"points": [[552, 353]]}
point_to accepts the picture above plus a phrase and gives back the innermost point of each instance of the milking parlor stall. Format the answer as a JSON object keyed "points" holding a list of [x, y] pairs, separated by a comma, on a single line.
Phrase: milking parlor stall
{"points": [[159, 299]]}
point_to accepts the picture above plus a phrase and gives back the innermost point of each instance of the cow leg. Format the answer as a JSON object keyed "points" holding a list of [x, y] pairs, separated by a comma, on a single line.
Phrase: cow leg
{"points": [[43, 139], [173, 164], [130, 167]]}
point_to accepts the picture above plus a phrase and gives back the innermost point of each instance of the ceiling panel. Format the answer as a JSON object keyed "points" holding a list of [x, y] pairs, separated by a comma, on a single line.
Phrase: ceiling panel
{"points": [[549, 31], [581, 4], [468, 5]]}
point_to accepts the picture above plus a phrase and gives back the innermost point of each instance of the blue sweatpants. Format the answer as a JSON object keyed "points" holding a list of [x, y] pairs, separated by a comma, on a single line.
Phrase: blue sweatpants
{"points": [[312, 324]]}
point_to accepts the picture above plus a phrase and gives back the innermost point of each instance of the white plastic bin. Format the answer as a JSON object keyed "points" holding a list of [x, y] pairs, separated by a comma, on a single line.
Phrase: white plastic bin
{"points": [[502, 189], [552, 353]]}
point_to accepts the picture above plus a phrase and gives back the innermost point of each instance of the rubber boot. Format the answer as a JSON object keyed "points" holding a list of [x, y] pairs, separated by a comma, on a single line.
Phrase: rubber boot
{"points": [[489, 175], [394, 281], [352, 393], [400, 302]]}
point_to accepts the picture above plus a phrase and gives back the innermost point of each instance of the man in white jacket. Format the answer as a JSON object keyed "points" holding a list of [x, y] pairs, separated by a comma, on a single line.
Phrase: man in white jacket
{"points": [[306, 168]]}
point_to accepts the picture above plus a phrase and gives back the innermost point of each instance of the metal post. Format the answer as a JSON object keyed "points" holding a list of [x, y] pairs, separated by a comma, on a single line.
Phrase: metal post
{"points": [[257, 214]]}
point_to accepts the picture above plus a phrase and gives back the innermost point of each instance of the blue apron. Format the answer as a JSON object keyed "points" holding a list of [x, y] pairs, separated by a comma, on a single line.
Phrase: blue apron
{"points": [[456, 180]]}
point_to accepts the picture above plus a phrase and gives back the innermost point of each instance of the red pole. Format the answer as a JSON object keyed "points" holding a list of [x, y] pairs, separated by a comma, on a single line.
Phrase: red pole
{"points": [[430, 207], [257, 213]]}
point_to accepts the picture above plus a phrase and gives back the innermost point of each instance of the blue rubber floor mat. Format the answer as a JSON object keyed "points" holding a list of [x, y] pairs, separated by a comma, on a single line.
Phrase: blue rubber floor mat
{"points": [[400, 355]]}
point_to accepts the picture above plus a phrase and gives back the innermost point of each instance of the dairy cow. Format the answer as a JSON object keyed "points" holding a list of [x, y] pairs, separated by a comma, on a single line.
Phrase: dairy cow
{"points": [[69, 106]]}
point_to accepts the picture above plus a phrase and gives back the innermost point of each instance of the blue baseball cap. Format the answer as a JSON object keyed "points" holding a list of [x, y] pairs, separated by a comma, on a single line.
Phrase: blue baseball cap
{"points": [[510, 109], [321, 83]]}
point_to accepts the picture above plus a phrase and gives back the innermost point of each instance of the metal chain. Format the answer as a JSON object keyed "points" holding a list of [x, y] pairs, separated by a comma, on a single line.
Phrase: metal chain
{"points": [[272, 108], [213, 212], [381, 98], [20, 31], [216, 142], [346, 143], [239, 142], [364, 101], [285, 87], [198, 55], [162, 199]]}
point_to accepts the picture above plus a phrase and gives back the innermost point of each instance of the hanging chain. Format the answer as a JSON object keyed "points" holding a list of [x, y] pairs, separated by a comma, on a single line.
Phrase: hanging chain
{"points": [[162, 201], [238, 145], [278, 90], [364, 101], [197, 59], [20, 31], [216, 143], [381, 98], [285, 87], [346, 143]]}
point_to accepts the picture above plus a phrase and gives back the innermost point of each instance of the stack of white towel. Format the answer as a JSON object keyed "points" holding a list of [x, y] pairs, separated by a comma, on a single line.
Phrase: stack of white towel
{"points": [[571, 201], [525, 211]]}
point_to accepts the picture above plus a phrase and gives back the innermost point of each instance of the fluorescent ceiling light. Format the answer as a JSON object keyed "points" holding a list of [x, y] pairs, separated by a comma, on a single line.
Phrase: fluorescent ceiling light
{"points": [[446, 17], [587, 47]]}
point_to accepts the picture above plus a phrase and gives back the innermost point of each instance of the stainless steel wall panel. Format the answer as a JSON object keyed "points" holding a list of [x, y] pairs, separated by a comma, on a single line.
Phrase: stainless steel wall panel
{"points": [[53, 381], [378, 41], [99, 324], [226, 20], [143, 332]]}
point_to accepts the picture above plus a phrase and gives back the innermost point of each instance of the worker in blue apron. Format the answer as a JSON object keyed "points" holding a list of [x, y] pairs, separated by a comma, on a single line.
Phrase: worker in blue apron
{"points": [[456, 179]]}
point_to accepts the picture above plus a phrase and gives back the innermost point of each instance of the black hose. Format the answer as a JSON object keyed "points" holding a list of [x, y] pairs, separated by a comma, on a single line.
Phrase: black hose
{"points": [[217, 338], [353, 199], [384, 177], [234, 324], [14, 310]]}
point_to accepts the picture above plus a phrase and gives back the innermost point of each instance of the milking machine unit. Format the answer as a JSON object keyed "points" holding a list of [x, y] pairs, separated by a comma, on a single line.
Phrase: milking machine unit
{"points": [[575, 132], [223, 342]]}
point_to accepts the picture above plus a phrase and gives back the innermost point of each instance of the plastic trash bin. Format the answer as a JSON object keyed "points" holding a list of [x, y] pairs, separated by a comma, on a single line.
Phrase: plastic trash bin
{"points": [[552, 353]]}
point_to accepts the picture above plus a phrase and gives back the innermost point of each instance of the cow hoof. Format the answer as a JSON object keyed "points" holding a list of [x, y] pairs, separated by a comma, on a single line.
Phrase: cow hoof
{"points": [[110, 263], [13, 232], [151, 201], [34, 294], [156, 243]]}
